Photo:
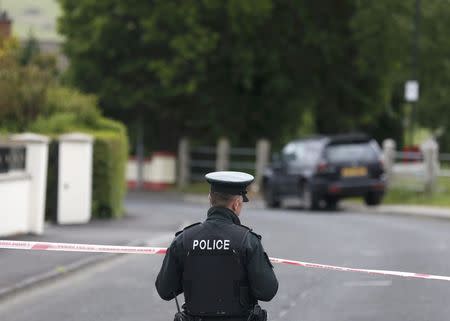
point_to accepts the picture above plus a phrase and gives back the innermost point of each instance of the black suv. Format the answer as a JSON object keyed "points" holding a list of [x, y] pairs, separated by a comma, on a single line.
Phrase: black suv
{"points": [[326, 169]]}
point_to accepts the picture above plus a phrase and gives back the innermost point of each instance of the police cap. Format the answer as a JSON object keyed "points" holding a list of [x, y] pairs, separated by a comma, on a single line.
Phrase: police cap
{"points": [[232, 183]]}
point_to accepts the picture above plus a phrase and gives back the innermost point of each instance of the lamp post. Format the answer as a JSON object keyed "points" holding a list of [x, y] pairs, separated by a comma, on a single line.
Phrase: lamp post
{"points": [[412, 86]]}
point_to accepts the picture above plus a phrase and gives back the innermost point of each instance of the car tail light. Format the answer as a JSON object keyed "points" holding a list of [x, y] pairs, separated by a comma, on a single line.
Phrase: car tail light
{"points": [[333, 189], [381, 163]]}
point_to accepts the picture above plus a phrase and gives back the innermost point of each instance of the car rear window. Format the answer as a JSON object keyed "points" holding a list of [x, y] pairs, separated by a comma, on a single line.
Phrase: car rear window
{"points": [[351, 152], [302, 153]]}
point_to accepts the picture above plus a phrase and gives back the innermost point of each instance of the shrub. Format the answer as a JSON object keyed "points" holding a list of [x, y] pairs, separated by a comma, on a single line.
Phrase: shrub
{"points": [[68, 110], [110, 158]]}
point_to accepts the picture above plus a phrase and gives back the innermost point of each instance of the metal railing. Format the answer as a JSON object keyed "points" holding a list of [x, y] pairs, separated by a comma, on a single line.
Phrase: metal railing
{"points": [[409, 156], [444, 160], [203, 159]]}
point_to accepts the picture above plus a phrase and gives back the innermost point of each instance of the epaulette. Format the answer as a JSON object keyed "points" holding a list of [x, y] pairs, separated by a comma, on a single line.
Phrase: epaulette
{"points": [[179, 232], [251, 231]]}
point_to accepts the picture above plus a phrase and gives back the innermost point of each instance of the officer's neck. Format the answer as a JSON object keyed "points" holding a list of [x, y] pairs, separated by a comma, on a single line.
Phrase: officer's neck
{"points": [[233, 210], [224, 212]]}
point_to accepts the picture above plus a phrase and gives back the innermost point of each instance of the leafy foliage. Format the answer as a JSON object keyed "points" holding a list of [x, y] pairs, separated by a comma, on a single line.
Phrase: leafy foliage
{"points": [[22, 88], [247, 69], [68, 110], [31, 100], [110, 158]]}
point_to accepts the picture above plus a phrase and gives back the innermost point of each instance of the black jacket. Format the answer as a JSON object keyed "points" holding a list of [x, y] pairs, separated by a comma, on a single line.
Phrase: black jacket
{"points": [[262, 280]]}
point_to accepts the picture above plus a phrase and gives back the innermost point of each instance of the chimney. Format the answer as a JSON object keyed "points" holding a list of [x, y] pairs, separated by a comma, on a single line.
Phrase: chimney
{"points": [[5, 25]]}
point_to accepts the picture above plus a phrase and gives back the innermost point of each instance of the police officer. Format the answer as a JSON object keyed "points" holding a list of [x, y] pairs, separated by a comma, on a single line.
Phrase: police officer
{"points": [[219, 264]]}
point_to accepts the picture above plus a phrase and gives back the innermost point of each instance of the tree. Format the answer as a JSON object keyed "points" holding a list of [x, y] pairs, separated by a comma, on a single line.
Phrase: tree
{"points": [[22, 88], [198, 67], [246, 69]]}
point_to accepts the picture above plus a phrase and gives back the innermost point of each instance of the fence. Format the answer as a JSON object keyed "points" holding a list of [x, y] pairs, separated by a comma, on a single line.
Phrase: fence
{"points": [[445, 165], [416, 170], [195, 161]]}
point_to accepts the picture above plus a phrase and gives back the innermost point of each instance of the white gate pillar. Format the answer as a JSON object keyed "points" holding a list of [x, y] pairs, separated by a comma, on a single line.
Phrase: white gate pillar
{"points": [[75, 178], [430, 150], [36, 165], [389, 150]]}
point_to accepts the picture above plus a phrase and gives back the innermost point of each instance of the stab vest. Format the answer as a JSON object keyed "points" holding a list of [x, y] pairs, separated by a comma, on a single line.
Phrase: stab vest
{"points": [[215, 281]]}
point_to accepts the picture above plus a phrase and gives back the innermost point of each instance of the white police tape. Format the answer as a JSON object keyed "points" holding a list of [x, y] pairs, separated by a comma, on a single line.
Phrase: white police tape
{"points": [[71, 247]]}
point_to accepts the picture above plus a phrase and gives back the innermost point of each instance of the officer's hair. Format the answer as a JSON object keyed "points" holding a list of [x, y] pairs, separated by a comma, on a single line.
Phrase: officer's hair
{"points": [[221, 199]]}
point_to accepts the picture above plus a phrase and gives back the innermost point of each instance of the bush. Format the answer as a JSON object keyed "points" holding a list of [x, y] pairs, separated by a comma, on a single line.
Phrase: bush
{"points": [[31, 100], [63, 100], [110, 155], [23, 89], [68, 110], [110, 158]]}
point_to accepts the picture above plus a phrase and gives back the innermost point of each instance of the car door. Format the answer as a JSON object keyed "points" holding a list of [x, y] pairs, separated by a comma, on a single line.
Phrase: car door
{"points": [[292, 168]]}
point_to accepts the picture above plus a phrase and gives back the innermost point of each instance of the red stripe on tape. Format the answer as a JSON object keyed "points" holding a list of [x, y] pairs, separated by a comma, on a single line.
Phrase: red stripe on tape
{"points": [[69, 247], [40, 247]]}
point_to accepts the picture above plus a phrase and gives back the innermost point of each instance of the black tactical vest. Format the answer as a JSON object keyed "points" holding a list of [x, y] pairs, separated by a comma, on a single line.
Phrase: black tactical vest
{"points": [[215, 281]]}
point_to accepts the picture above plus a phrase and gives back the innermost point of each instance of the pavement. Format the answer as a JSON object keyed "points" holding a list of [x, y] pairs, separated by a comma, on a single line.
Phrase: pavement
{"points": [[136, 228], [24, 269], [407, 210]]}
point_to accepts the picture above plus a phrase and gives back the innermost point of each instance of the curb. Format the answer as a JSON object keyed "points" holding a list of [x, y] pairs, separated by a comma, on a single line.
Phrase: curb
{"points": [[401, 210], [61, 271]]}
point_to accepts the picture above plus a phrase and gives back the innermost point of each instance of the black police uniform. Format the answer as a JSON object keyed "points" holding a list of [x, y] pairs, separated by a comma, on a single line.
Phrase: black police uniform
{"points": [[221, 267]]}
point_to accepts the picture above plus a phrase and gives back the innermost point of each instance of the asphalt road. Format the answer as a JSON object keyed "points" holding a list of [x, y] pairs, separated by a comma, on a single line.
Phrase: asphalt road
{"points": [[123, 288]]}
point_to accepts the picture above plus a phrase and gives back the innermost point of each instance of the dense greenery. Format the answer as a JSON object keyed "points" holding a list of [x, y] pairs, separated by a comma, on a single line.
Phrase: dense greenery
{"points": [[68, 110], [247, 69], [22, 88], [31, 99], [110, 157]]}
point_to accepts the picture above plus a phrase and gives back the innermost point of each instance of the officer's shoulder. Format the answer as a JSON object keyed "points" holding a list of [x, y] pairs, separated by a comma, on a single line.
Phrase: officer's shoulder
{"points": [[251, 232], [187, 227]]}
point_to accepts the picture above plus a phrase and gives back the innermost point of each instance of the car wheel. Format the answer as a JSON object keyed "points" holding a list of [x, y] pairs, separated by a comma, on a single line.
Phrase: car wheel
{"points": [[309, 198], [270, 198], [332, 203], [372, 199]]}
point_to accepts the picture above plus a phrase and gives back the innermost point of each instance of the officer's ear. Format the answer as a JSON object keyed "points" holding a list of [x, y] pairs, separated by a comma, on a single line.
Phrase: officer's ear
{"points": [[209, 198], [236, 203]]}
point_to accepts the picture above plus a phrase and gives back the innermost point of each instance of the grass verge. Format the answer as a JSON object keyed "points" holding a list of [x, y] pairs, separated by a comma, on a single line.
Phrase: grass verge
{"points": [[441, 197]]}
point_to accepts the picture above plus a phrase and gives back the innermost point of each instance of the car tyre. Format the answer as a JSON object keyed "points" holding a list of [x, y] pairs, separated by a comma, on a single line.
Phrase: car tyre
{"points": [[270, 198], [372, 199], [332, 203], [309, 199]]}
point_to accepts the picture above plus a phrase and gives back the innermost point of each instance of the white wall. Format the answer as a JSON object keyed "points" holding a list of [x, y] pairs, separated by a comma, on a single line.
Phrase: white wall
{"points": [[159, 171], [14, 203], [36, 167]]}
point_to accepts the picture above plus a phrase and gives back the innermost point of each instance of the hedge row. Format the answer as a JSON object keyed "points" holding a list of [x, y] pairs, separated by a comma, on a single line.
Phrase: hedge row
{"points": [[108, 182], [68, 110], [109, 185]]}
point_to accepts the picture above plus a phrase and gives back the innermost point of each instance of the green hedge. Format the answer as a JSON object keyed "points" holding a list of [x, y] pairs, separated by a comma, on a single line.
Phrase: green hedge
{"points": [[109, 185], [68, 110], [110, 156]]}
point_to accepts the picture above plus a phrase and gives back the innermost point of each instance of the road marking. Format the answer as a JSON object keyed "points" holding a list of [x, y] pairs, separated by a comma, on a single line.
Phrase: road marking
{"points": [[376, 283]]}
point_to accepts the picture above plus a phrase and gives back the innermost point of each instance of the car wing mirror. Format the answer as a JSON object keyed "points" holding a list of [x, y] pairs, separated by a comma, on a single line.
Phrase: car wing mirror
{"points": [[277, 162]]}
